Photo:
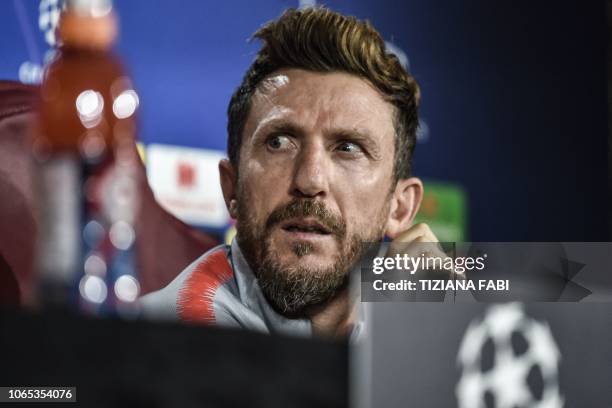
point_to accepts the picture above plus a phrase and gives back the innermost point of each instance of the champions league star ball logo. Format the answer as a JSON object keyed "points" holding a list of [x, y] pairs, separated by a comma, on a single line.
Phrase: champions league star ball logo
{"points": [[508, 360]]}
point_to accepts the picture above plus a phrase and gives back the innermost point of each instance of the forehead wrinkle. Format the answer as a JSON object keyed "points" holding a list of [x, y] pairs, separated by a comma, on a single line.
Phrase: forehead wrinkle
{"points": [[355, 103], [276, 114], [359, 123]]}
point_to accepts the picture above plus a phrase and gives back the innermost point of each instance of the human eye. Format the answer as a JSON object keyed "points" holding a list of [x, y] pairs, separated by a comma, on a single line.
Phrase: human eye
{"points": [[278, 142], [349, 147]]}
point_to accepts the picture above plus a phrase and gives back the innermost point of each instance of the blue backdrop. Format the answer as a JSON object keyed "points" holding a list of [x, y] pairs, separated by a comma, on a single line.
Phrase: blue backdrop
{"points": [[514, 93]]}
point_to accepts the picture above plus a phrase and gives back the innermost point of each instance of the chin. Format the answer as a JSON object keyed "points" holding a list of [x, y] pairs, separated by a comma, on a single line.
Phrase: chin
{"points": [[313, 260]]}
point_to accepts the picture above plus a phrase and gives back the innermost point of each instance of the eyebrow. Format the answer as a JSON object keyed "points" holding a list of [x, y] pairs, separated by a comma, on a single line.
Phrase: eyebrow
{"points": [[283, 126]]}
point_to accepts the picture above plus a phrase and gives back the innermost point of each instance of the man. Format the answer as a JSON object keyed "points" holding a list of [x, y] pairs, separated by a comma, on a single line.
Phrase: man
{"points": [[321, 135]]}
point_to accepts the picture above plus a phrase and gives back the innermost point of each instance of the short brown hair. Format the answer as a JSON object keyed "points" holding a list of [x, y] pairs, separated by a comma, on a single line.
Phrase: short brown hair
{"points": [[320, 40]]}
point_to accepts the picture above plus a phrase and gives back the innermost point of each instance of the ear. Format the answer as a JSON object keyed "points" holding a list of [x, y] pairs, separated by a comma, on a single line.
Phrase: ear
{"points": [[227, 176], [405, 202]]}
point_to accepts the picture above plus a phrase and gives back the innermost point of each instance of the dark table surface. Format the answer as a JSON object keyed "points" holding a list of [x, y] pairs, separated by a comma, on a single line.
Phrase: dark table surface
{"points": [[114, 362]]}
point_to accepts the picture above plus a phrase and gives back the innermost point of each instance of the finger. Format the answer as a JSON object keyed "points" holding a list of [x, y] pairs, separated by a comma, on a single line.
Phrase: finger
{"points": [[422, 246], [419, 234], [417, 230]]}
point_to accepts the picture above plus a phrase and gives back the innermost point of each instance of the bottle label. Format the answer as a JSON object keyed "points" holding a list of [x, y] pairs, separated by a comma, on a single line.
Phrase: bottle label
{"points": [[59, 191]]}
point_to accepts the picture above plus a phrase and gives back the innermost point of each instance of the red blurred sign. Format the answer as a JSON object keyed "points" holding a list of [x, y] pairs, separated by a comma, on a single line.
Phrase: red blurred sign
{"points": [[187, 175]]}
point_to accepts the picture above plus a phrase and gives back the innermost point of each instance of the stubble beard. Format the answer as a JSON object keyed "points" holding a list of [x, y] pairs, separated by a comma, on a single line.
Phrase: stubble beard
{"points": [[293, 289]]}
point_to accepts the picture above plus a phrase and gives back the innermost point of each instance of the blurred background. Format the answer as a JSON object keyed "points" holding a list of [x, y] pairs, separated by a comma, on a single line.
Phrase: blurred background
{"points": [[514, 136]]}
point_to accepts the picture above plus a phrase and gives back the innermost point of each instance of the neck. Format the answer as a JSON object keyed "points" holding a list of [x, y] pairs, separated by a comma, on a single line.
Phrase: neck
{"points": [[334, 319]]}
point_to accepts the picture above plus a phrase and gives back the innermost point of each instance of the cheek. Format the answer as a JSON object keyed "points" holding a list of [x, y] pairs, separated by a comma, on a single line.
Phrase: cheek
{"points": [[262, 188], [363, 200]]}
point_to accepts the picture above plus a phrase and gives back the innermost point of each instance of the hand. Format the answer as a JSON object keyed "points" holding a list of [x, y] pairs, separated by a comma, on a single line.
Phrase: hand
{"points": [[419, 236], [419, 241]]}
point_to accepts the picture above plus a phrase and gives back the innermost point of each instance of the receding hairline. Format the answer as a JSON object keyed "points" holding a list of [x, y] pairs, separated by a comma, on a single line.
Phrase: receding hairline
{"points": [[283, 71]]}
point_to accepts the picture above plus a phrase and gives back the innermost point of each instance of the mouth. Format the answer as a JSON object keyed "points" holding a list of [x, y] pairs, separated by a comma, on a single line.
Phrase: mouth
{"points": [[305, 226]]}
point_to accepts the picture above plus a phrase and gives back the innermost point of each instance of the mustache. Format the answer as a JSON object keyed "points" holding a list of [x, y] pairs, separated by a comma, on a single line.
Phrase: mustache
{"points": [[301, 208]]}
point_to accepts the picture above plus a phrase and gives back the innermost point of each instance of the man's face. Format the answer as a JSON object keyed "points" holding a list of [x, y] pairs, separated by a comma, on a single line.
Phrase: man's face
{"points": [[314, 181]]}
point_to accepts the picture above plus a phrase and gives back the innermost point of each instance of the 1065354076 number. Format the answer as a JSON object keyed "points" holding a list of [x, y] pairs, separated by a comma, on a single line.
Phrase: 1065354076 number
{"points": [[37, 394]]}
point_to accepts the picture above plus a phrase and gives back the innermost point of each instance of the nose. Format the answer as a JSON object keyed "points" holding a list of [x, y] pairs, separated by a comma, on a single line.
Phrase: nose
{"points": [[310, 173]]}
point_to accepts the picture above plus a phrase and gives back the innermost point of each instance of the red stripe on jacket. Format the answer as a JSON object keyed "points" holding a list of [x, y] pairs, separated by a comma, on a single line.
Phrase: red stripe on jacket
{"points": [[195, 298]]}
